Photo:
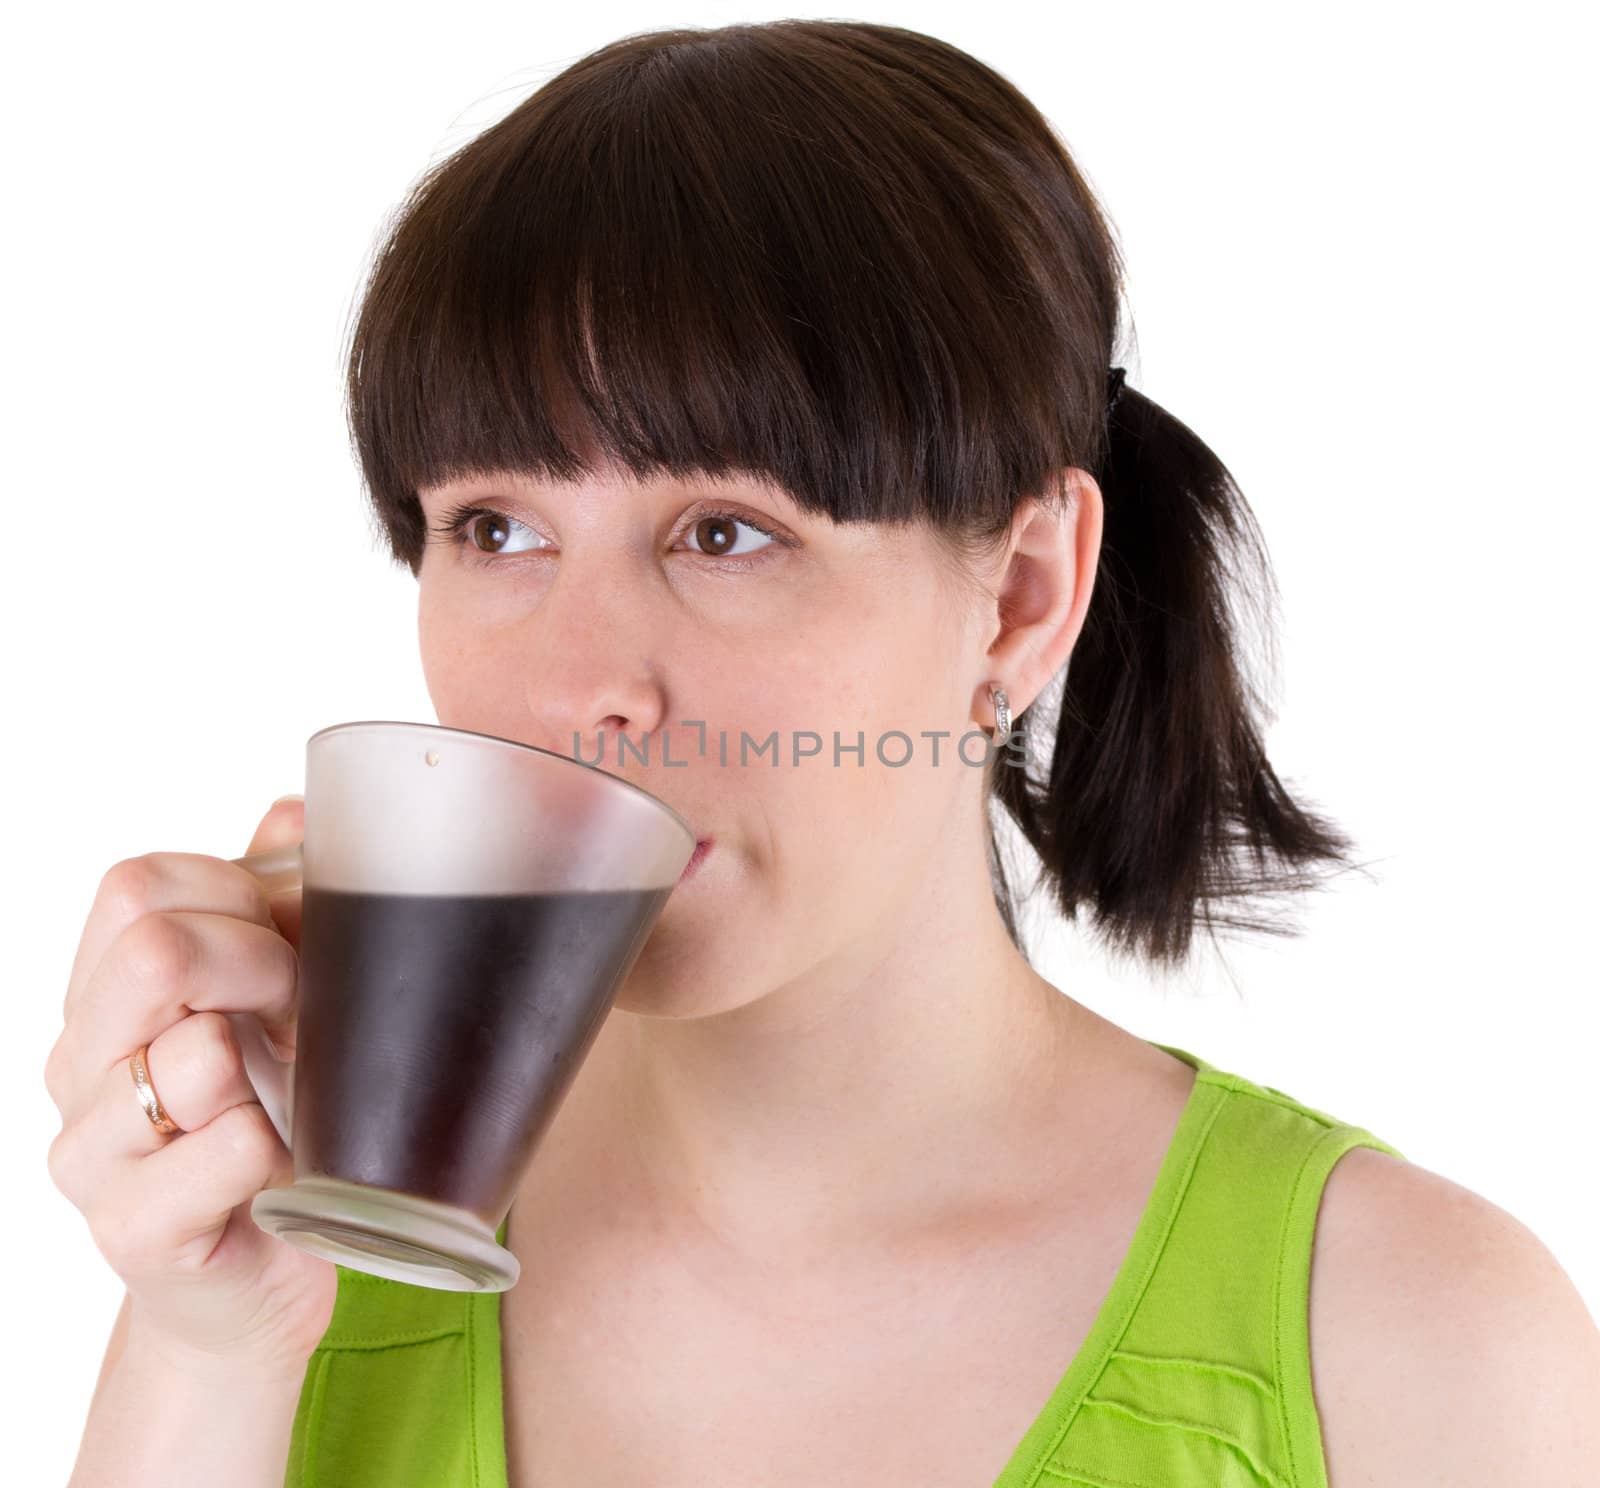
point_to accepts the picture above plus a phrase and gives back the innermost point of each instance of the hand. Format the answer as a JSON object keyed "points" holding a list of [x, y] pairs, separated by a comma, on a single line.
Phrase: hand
{"points": [[172, 942]]}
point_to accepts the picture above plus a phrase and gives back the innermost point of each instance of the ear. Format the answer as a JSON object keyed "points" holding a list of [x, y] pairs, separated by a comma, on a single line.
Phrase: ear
{"points": [[1046, 576]]}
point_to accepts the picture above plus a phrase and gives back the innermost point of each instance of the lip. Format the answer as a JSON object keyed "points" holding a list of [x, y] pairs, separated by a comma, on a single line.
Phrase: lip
{"points": [[701, 849]]}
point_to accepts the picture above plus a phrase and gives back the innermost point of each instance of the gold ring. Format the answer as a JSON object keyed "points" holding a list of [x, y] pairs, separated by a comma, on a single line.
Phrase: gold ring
{"points": [[147, 1092]]}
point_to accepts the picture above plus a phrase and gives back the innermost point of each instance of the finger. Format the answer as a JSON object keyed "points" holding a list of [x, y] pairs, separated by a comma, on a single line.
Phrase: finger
{"points": [[161, 968], [197, 1072], [283, 824], [154, 881], [169, 1209]]}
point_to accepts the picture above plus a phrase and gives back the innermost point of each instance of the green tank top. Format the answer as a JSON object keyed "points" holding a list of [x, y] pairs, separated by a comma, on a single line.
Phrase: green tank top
{"points": [[1196, 1369]]}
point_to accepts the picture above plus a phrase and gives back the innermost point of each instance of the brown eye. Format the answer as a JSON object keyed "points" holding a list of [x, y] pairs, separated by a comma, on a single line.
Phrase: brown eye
{"points": [[718, 534], [715, 534], [486, 531], [487, 522]]}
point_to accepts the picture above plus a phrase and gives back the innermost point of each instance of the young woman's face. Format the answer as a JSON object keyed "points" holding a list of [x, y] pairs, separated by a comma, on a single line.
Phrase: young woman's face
{"points": [[664, 611]]}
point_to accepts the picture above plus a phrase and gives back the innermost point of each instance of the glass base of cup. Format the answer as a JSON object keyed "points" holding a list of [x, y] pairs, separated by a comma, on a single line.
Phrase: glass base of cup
{"points": [[386, 1233]]}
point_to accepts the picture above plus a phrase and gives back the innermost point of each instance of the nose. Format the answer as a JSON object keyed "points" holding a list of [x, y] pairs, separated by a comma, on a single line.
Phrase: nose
{"points": [[591, 671]]}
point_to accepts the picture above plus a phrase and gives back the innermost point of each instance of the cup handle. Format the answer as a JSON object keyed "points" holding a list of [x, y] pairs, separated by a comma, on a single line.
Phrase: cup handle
{"points": [[278, 870]]}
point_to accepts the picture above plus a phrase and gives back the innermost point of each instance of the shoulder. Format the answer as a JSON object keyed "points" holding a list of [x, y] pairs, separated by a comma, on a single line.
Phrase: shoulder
{"points": [[1447, 1343]]}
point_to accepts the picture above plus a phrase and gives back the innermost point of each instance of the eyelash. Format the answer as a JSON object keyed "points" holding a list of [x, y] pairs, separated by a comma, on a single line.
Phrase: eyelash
{"points": [[454, 528]]}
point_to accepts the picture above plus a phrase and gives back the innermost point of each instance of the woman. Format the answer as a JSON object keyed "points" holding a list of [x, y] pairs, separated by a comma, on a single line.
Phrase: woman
{"points": [[760, 383]]}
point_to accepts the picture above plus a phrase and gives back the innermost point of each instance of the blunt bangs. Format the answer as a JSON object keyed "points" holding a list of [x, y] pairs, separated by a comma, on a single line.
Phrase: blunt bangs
{"points": [[771, 271]]}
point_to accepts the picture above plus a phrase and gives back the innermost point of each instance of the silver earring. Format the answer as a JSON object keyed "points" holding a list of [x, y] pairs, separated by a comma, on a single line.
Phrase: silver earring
{"points": [[1002, 713]]}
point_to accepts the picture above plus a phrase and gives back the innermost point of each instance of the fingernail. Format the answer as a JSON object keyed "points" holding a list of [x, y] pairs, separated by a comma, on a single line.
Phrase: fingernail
{"points": [[292, 796]]}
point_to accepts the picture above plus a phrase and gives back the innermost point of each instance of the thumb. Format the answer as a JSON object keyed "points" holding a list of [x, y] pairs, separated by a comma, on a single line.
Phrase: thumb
{"points": [[284, 823]]}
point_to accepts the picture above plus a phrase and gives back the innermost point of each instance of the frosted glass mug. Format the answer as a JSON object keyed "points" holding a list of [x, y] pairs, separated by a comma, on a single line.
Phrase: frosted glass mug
{"points": [[469, 907]]}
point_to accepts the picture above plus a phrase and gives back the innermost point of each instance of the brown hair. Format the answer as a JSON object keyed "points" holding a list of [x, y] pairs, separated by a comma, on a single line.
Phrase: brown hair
{"points": [[854, 260]]}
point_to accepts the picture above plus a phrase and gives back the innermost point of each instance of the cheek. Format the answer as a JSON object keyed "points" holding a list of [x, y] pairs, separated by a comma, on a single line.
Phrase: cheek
{"points": [[855, 827], [465, 650], [849, 843], [448, 661]]}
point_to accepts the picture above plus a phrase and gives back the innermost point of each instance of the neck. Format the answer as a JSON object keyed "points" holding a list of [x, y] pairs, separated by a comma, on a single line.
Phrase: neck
{"points": [[884, 1091]]}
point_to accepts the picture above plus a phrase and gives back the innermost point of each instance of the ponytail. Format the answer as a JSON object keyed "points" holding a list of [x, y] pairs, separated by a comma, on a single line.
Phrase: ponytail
{"points": [[1160, 809]]}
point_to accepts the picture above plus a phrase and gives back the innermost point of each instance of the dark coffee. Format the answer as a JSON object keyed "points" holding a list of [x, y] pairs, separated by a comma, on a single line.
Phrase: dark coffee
{"points": [[438, 1034]]}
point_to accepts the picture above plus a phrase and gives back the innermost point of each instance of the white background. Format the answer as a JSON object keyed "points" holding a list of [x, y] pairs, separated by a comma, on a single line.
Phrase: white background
{"points": [[1359, 269]]}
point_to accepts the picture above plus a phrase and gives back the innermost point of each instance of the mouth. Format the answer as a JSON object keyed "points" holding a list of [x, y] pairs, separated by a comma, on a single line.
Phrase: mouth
{"points": [[701, 848]]}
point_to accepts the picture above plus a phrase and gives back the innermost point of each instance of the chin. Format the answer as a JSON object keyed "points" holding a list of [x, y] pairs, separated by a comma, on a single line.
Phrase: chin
{"points": [[683, 997], [671, 979]]}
